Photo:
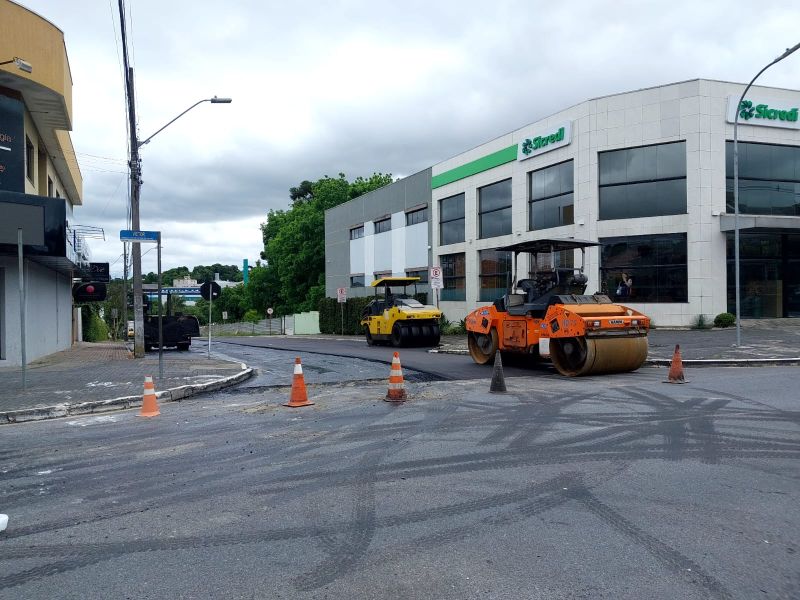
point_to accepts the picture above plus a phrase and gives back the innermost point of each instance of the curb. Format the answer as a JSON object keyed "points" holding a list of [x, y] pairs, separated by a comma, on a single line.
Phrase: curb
{"points": [[100, 406], [692, 362]]}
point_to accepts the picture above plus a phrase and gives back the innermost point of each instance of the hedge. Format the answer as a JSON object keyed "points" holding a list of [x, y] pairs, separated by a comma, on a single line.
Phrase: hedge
{"points": [[330, 314]]}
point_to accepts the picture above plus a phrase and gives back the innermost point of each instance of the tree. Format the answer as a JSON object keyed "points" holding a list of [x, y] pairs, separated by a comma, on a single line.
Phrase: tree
{"points": [[294, 243]]}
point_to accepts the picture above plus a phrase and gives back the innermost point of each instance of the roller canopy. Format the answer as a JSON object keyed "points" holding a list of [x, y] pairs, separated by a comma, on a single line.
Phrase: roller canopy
{"points": [[541, 246], [390, 281]]}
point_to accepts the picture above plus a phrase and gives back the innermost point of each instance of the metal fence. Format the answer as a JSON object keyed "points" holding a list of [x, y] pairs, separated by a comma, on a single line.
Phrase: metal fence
{"points": [[276, 326]]}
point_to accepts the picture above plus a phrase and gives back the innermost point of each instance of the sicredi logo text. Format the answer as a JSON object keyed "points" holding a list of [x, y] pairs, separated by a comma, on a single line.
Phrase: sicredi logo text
{"points": [[763, 111], [557, 137]]}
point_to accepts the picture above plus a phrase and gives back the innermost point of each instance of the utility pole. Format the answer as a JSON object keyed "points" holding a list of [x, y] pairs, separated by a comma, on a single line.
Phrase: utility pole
{"points": [[136, 182]]}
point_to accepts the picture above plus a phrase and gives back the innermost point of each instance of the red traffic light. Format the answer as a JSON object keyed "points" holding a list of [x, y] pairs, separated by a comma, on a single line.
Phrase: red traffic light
{"points": [[89, 292]]}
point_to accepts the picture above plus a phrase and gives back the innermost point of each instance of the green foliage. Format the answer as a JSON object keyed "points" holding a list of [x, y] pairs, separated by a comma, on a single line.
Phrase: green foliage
{"points": [[448, 328], [293, 279], [251, 316], [94, 328], [330, 315], [725, 319], [114, 301], [700, 322]]}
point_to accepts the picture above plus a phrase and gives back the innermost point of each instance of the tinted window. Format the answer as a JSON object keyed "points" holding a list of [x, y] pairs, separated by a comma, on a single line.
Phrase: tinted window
{"points": [[494, 208], [643, 182], [551, 201], [495, 274], [769, 179], [655, 265], [453, 277], [451, 220]]}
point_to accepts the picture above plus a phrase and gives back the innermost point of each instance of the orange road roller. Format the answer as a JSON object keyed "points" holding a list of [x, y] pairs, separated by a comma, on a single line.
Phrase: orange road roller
{"points": [[549, 315]]}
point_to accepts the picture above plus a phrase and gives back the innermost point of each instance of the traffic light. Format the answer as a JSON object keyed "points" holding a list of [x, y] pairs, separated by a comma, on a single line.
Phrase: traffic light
{"points": [[93, 291]]}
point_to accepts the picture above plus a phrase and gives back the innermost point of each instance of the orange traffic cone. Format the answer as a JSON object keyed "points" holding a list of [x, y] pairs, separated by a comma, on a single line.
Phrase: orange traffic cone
{"points": [[676, 368], [397, 392], [299, 397], [149, 402]]}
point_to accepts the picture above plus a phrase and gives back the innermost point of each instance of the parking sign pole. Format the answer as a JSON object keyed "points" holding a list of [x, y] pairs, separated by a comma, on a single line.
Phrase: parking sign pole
{"points": [[160, 318], [210, 302]]}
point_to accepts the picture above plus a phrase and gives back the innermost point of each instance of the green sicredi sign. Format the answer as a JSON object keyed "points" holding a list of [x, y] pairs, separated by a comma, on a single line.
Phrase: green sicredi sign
{"points": [[763, 111], [530, 145]]}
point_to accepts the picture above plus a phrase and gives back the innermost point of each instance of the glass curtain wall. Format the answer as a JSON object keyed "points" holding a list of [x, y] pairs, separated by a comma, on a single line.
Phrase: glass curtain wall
{"points": [[769, 269]]}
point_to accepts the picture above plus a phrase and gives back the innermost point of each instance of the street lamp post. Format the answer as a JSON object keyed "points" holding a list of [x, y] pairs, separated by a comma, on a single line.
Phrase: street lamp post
{"points": [[136, 183], [736, 188]]}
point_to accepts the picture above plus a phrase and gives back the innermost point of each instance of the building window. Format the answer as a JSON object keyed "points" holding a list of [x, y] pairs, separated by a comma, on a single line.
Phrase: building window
{"points": [[381, 274], [643, 182], [417, 216], [494, 209], [29, 158], [421, 273], [383, 225], [453, 277], [495, 274], [551, 197], [49, 187], [356, 281], [769, 179], [451, 220], [357, 232], [653, 268]]}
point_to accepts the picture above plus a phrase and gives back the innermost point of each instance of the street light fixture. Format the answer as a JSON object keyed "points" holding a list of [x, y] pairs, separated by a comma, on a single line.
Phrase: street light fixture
{"points": [[136, 182], [736, 188], [22, 65]]}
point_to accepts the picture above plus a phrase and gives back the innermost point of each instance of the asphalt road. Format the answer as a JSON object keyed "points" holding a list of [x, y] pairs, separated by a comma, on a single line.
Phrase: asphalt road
{"points": [[603, 487], [437, 366]]}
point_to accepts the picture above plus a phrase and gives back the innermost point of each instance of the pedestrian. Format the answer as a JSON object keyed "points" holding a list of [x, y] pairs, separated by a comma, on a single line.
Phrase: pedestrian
{"points": [[625, 287]]}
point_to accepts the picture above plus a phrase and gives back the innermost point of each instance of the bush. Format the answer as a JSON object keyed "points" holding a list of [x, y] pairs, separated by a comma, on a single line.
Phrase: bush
{"points": [[251, 316], [725, 319], [448, 328], [700, 322], [94, 328]]}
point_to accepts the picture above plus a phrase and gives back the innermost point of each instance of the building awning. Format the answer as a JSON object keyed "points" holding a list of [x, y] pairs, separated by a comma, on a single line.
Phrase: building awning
{"points": [[759, 223]]}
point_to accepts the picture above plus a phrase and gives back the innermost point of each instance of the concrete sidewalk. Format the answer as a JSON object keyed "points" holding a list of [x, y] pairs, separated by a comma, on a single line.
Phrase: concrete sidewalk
{"points": [[96, 377]]}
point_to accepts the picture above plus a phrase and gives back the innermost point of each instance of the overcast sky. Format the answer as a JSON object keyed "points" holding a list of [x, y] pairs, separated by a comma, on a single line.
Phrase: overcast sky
{"points": [[356, 87]]}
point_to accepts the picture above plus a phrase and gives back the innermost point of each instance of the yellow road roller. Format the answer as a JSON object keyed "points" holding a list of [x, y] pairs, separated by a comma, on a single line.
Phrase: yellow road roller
{"points": [[398, 318]]}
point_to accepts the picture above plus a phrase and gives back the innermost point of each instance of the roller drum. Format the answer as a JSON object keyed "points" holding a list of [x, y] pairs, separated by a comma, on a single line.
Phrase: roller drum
{"points": [[579, 356]]}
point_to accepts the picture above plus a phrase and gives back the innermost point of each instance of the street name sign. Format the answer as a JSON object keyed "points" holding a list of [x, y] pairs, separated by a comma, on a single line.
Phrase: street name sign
{"points": [[136, 237]]}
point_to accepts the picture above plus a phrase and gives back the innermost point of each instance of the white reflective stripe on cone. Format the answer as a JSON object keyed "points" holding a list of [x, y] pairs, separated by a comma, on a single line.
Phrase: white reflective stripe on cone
{"points": [[298, 369]]}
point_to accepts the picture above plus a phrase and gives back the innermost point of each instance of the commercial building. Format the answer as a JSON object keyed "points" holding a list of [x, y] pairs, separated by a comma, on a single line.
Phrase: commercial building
{"points": [[649, 175], [40, 183], [382, 233]]}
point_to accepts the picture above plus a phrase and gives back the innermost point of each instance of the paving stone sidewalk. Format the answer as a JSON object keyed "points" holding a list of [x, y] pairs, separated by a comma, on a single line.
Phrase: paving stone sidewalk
{"points": [[773, 339], [98, 372]]}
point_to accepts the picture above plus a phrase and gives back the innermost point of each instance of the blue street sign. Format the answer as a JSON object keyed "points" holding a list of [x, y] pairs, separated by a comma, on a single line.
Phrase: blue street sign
{"points": [[128, 235]]}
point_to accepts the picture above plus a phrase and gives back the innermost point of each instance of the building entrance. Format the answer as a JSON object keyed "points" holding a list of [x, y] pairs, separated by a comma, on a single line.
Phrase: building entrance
{"points": [[769, 269]]}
